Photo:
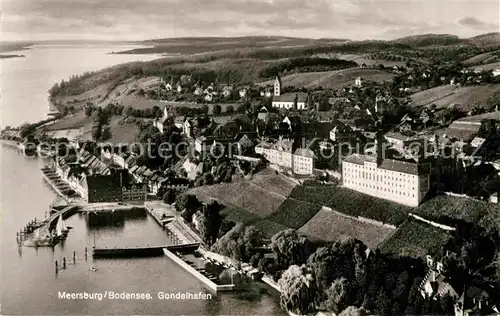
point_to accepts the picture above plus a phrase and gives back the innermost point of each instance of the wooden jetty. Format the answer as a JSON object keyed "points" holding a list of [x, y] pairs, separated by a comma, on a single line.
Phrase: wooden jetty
{"points": [[145, 251]]}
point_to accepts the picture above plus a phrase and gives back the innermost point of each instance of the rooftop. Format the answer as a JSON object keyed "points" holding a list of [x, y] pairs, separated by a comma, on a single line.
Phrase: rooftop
{"points": [[399, 166], [396, 136], [304, 152], [290, 97], [388, 164]]}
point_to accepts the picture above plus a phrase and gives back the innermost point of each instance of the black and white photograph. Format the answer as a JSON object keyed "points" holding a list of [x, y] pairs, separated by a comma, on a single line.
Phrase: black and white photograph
{"points": [[250, 157]]}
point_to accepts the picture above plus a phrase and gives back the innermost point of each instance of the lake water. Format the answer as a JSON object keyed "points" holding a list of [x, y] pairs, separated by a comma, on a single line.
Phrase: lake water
{"points": [[29, 284]]}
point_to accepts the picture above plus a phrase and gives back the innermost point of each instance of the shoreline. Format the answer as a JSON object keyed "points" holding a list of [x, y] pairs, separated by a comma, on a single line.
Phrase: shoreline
{"points": [[4, 56], [9, 143]]}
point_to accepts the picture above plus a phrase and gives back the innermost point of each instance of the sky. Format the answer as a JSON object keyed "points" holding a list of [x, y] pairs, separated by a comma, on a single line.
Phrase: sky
{"points": [[33, 20]]}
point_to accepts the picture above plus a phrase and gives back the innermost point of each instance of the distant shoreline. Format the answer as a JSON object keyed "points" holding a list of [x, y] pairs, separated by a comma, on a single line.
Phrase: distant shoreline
{"points": [[5, 56]]}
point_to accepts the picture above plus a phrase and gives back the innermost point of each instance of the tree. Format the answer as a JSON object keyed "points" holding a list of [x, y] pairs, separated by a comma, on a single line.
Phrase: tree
{"points": [[210, 222], [383, 306], [339, 260], [241, 108], [337, 295], [26, 129], [290, 248], [188, 204], [239, 243], [96, 132], [353, 311], [169, 196], [208, 178], [297, 290], [217, 109], [128, 111], [229, 109], [106, 133], [88, 111]]}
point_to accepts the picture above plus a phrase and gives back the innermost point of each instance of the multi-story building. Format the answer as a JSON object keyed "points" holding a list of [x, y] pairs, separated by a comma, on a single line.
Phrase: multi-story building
{"points": [[134, 192], [402, 182], [281, 153]]}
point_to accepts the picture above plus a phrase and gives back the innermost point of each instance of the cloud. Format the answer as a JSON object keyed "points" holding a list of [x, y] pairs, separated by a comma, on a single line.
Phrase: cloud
{"points": [[473, 22], [135, 20]]}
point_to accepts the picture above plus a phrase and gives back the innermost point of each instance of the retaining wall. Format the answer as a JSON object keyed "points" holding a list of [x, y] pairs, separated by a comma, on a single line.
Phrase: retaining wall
{"points": [[360, 218], [212, 285], [444, 227]]}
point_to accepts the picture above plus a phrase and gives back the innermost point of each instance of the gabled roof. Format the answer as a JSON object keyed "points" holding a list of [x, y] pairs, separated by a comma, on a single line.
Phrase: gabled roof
{"points": [[304, 152], [283, 145], [245, 141], [399, 166], [290, 97], [134, 169], [396, 136], [359, 159]]}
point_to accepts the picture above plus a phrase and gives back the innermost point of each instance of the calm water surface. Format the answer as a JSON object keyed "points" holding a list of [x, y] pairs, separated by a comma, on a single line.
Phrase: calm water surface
{"points": [[28, 282]]}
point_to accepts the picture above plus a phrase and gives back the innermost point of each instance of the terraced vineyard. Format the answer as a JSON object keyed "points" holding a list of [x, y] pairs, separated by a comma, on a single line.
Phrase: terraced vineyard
{"points": [[294, 213], [329, 225], [416, 239]]}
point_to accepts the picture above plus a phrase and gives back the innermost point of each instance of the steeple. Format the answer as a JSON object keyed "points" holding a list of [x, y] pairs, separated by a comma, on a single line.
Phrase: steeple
{"points": [[277, 86]]}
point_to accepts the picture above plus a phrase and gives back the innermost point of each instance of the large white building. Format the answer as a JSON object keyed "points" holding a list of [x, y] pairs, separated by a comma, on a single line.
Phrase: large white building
{"points": [[280, 153], [288, 100], [402, 182]]}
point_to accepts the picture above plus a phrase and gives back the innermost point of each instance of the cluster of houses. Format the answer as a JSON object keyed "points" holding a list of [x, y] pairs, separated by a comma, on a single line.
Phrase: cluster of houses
{"points": [[468, 300], [96, 182], [208, 92], [112, 177]]}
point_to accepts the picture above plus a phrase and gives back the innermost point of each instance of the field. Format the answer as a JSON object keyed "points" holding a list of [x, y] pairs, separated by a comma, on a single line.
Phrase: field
{"points": [[482, 58], [444, 96], [69, 122], [317, 194], [123, 133], [260, 198], [355, 204], [294, 213], [469, 210], [491, 66], [332, 79], [79, 126], [239, 215], [330, 226], [363, 59], [242, 194], [415, 239]]}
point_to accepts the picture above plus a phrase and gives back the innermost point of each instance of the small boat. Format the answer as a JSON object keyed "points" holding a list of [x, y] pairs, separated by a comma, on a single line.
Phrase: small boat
{"points": [[61, 229], [69, 227], [93, 269]]}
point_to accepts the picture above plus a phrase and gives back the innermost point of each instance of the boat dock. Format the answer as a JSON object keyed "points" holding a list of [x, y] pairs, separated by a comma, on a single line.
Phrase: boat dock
{"points": [[200, 274], [145, 251], [162, 213], [58, 184]]}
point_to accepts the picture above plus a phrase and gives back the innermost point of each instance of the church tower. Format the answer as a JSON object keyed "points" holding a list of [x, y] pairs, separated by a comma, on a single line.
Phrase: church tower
{"points": [[277, 86]]}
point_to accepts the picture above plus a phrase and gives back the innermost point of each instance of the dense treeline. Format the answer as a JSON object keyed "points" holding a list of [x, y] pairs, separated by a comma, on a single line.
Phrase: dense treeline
{"points": [[305, 64], [430, 40], [74, 84]]}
